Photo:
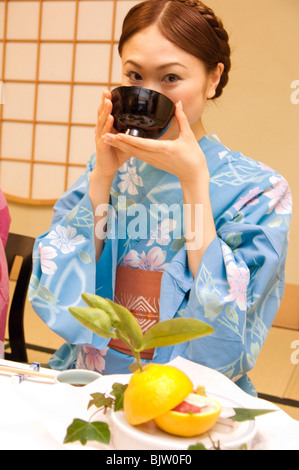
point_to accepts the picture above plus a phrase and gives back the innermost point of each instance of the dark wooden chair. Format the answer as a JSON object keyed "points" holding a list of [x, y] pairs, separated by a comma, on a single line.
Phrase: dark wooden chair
{"points": [[19, 259]]}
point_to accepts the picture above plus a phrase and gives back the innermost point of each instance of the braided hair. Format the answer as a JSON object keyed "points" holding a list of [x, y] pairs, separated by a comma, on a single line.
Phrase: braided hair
{"points": [[190, 25]]}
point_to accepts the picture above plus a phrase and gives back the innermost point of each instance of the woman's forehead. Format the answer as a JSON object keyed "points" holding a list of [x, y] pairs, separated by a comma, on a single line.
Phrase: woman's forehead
{"points": [[149, 46]]}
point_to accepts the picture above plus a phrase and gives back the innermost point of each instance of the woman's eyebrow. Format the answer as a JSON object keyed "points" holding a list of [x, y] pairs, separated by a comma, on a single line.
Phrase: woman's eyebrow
{"points": [[131, 62], [171, 64], [160, 67]]}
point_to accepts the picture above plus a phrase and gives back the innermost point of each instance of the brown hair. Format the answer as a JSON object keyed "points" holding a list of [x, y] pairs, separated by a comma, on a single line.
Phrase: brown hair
{"points": [[189, 24]]}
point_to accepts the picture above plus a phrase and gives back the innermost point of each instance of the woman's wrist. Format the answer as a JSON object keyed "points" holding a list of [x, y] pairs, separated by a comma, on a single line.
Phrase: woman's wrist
{"points": [[198, 216], [99, 188], [196, 187], [99, 176], [99, 193]]}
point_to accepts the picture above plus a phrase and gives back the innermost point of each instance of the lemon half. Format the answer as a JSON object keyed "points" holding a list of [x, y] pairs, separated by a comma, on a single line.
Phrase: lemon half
{"points": [[154, 391], [196, 415]]}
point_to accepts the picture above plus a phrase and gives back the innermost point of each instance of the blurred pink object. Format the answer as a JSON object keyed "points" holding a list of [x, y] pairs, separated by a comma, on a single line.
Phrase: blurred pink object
{"points": [[4, 283]]}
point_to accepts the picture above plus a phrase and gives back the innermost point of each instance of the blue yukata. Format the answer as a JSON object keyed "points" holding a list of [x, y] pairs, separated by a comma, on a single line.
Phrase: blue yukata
{"points": [[239, 283]]}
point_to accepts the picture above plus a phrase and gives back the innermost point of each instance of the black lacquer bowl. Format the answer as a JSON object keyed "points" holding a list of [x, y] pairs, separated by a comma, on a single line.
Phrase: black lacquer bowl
{"points": [[141, 112]]}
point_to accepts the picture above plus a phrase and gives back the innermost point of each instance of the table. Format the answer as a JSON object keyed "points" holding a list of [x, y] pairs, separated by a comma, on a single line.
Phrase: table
{"points": [[35, 414]]}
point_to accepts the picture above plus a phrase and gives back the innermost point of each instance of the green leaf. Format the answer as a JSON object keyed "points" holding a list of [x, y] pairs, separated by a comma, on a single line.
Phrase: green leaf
{"points": [[103, 315], [174, 331], [212, 309], [99, 400], [129, 324], [46, 295], [275, 223], [34, 281], [243, 447], [118, 391], [133, 367], [70, 215], [239, 217], [94, 319], [198, 446], [244, 414], [84, 257], [178, 244], [234, 240], [96, 301], [83, 431], [122, 319], [231, 314], [114, 193]]}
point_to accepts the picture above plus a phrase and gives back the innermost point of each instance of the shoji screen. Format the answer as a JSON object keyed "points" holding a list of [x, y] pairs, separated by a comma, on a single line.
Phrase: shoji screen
{"points": [[55, 59]]}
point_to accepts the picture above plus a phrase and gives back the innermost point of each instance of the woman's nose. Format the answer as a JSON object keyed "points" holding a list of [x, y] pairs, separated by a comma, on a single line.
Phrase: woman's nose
{"points": [[152, 86]]}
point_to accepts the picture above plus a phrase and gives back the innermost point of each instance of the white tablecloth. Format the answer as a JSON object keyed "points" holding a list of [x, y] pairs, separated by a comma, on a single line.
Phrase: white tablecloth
{"points": [[35, 414]]}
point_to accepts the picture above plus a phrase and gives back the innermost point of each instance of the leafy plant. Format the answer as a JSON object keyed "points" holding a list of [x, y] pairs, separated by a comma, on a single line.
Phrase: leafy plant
{"points": [[83, 431], [111, 320]]}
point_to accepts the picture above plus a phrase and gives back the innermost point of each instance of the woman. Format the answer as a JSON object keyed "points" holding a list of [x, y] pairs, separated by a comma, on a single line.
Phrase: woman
{"points": [[4, 286], [226, 268]]}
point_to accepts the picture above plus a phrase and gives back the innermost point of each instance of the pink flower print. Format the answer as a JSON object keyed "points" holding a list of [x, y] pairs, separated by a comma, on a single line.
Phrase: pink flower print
{"points": [[227, 253], [46, 254], [250, 199], [153, 260], [265, 167], [94, 359], [280, 195], [238, 279], [131, 260]]}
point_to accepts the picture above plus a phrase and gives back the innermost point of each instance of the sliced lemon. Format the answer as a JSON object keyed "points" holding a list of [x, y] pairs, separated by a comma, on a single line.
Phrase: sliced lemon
{"points": [[194, 416]]}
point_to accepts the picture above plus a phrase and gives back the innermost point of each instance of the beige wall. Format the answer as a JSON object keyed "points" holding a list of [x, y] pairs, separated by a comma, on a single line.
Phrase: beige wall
{"points": [[255, 114]]}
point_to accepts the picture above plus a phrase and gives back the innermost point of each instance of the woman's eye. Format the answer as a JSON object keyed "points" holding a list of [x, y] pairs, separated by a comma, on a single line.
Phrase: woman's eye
{"points": [[134, 76], [171, 78]]}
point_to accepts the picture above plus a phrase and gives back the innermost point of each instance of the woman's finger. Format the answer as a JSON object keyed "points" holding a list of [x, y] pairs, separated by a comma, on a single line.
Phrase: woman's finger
{"points": [[105, 95], [144, 149], [148, 150], [182, 120], [109, 124], [104, 116]]}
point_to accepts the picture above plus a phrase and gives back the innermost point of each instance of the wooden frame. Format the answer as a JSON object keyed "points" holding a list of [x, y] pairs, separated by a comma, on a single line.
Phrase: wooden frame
{"points": [[34, 160]]}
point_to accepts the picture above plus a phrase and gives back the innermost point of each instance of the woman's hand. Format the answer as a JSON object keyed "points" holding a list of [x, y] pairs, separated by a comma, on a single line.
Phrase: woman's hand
{"points": [[109, 159], [182, 157]]}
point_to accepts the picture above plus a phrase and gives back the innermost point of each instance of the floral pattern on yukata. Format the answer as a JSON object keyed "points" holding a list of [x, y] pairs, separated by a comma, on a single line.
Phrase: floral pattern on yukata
{"points": [[239, 283]]}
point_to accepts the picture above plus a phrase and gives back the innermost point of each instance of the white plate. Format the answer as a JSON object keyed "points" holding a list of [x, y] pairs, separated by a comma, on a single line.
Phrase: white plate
{"points": [[149, 437]]}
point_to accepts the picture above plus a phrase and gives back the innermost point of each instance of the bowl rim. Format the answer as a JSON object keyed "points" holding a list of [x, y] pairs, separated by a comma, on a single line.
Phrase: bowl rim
{"points": [[245, 431], [91, 375], [150, 90]]}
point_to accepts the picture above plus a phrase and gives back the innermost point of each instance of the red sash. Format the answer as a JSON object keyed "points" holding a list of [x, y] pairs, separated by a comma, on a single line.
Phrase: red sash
{"points": [[139, 292]]}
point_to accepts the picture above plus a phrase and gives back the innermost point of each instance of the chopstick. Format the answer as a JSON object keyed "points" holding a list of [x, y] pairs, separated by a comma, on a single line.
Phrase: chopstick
{"points": [[17, 370]]}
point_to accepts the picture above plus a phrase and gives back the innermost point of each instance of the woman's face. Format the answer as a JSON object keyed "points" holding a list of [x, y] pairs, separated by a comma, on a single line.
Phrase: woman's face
{"points": [[151, 61]]}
